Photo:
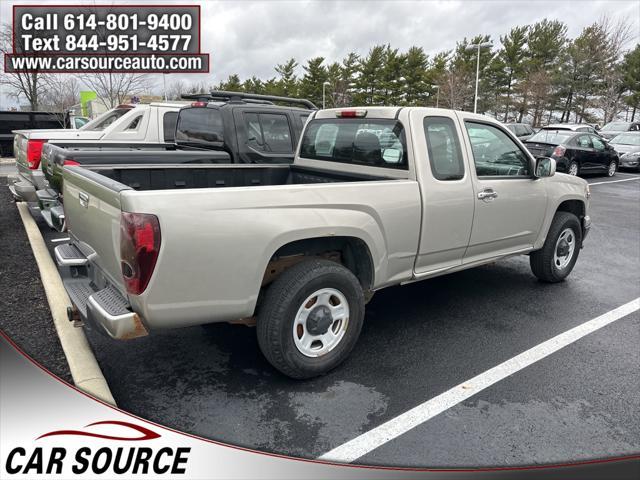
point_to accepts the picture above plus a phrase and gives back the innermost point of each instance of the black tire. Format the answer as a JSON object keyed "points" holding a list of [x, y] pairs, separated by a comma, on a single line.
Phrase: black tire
{"points": [[542, 261], [280, 305], [569, 168], [615, 168]]}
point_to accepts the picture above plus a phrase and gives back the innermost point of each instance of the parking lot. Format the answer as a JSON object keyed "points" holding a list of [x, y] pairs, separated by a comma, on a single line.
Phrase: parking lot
{"points": [[419, 341]]}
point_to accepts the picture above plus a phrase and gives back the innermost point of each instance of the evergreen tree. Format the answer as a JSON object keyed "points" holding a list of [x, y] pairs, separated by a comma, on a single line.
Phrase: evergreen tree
{"points": [[288, 81], [414, 71], [369, 83], [315, 75]]}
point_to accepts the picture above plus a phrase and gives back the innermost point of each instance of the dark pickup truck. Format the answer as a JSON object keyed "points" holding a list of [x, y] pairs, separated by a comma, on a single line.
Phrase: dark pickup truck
{"points": [[19, 120], [219, 127]]}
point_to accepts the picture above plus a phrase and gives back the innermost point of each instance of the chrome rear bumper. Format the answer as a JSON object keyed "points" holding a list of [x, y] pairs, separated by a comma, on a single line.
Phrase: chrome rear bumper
{"points": [[103, 308]]}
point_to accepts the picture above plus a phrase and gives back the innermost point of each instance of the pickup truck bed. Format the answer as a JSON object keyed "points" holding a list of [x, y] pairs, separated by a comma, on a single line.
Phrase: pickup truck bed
{"points": [[169, 177], [56, 155]]}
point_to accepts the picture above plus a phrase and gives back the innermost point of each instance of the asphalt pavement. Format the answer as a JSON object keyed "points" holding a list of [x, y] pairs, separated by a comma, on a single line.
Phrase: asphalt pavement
{"points": [[24, 311], [418, 341]]}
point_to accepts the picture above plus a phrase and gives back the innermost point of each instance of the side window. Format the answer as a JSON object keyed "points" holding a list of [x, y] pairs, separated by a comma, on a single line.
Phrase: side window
{"points": [[276, 133], [495, 154], [169, 120], [582, 129], [521, 130], [597, 143], [134, 124], [583, 141], [443, 146], [268, 132], [254, 132]]}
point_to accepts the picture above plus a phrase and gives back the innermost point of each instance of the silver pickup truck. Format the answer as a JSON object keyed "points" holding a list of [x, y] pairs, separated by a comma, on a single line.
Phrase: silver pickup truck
{"points": [[375, 197]]}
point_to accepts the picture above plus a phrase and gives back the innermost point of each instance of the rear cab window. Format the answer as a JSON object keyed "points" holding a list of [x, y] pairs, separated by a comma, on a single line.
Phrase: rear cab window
{"points": [[358, 141]]}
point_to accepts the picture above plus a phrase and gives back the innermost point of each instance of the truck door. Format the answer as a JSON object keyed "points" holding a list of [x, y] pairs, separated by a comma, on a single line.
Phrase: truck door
{"points": [[264, 136], [509, 201], [446, 190]]}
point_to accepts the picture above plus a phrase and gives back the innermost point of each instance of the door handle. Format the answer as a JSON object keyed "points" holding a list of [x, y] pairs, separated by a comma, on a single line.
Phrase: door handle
{"points": [[487, 194]]}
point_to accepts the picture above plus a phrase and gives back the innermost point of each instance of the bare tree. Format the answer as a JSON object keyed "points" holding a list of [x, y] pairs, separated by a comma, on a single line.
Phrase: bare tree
{"points": [[617, 35], [114, 88], [29, 84], [176, 89], [60, 94]]}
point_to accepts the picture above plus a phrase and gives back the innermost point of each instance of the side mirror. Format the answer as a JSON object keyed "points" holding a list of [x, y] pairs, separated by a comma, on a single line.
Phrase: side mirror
{"points": [[545, 167], [391, 155]]}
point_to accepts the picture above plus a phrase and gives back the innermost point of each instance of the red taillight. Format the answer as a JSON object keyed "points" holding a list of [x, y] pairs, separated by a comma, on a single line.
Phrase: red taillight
{"points": [[71, 163], [139, 248], [199, 104], [34, 151], [558, 151], [351, 114]]}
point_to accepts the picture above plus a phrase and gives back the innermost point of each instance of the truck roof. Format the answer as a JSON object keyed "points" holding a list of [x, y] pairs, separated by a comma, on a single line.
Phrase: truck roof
{"points": [[394, 112]]}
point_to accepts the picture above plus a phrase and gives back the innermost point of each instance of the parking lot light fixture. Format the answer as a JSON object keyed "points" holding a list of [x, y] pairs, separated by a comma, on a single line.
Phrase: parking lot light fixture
{"points": [[473, 46], [324, 94]]}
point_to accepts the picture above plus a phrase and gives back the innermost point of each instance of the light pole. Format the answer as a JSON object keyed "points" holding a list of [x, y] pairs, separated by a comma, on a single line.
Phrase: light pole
{"points": [[324, 94], [473, 46], [164, 85]]}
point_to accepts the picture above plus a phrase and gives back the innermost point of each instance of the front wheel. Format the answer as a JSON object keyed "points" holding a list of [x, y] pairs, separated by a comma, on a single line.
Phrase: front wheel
{"points": [[612, 168], [555, 260], [310, 318]]}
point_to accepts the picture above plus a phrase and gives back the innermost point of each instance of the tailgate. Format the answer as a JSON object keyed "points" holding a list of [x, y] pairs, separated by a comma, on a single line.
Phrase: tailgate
{"points": [[20, 151], [92, 213]]}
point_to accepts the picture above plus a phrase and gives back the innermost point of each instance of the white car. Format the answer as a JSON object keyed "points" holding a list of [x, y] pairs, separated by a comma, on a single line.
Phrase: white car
{"points": [[126, 124]]}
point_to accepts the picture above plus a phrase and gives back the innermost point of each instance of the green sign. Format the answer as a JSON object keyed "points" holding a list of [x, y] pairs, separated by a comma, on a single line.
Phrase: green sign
{"points": [[86, 97]]}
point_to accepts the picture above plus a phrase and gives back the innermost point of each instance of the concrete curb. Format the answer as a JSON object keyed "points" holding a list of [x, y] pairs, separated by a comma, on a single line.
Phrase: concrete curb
{"points": [[83, 365]]}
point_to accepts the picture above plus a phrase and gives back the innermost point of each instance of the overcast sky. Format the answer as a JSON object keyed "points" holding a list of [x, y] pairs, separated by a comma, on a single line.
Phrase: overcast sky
{"points": [[250, 37]]}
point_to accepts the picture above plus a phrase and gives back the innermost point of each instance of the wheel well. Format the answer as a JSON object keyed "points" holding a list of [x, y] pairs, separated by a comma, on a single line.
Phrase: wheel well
{"points": [[351, 252], [572, 206]]}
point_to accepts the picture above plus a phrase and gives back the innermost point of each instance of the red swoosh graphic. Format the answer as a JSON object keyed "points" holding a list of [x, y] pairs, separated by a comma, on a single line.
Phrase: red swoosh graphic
{"points": [[146, 433]]}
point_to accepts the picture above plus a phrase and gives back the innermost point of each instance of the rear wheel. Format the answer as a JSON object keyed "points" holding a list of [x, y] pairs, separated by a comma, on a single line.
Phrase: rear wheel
{"points": [[574, 169], [612, 168], [310, 318], [556, 259]]}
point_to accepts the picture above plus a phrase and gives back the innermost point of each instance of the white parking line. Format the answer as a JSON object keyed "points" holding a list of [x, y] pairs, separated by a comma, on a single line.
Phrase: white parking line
{"points": [[368, 441], [616, 181]]}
